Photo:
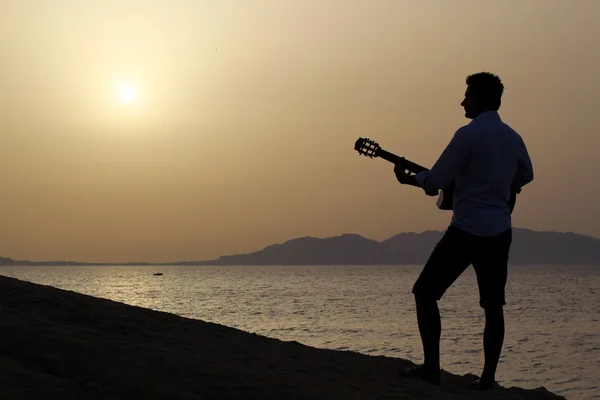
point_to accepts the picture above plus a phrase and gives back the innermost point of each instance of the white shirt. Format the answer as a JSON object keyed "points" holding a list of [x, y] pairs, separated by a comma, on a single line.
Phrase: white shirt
{"points": [[484, 158]]}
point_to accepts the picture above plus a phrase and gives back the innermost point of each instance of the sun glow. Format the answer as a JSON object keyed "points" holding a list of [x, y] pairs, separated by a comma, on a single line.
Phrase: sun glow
{"points": [[127, 94]]}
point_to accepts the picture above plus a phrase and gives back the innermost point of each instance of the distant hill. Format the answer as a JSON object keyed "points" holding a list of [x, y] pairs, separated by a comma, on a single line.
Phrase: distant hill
{"points": [[531, 247], [415, 247], [8, 261], [528, 247], [347, 249]]}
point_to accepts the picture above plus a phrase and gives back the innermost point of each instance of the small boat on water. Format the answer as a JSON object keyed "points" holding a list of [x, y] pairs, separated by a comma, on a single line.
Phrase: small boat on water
{"points": [[157, 273]]}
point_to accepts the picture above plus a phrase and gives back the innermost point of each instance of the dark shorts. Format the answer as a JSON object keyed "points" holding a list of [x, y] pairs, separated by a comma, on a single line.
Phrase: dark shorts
{"points": [[455, 252]]}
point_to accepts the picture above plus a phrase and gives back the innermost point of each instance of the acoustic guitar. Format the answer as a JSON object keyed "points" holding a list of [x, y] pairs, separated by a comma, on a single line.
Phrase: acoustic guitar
{"points": [[371, 149]]}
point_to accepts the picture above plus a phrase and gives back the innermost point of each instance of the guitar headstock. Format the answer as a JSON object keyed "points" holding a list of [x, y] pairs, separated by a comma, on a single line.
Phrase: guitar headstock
{"points": [[367, 147]]}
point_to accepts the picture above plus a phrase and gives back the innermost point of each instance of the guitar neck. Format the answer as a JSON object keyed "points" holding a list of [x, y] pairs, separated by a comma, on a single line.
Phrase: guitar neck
{"points": [[394, 159]]}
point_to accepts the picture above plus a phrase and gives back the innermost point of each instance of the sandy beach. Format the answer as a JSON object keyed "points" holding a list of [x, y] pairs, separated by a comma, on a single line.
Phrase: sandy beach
{"points": [[57, 344]]}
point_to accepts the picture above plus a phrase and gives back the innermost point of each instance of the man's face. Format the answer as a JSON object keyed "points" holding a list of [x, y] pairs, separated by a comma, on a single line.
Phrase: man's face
{"points": [[471, 104]]}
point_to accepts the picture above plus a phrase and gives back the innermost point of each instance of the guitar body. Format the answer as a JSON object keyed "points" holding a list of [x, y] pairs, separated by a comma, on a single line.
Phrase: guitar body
{"points": [[445, 199]]}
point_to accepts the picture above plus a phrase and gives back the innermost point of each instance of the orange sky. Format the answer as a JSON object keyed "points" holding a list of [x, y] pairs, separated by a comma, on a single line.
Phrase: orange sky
{"points": [[246, 114]]}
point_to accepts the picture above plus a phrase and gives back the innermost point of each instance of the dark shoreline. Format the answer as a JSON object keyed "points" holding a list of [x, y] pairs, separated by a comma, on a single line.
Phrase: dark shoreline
{"points": [[57, 344]]}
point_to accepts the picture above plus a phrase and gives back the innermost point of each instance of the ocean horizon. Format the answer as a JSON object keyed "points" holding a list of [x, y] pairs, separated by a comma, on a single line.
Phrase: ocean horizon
{"points": [[552, 325]]}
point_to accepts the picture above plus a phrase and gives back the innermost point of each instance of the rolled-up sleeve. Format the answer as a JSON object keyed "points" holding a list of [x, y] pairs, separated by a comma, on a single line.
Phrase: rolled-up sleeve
{"points": [[451, 161]]}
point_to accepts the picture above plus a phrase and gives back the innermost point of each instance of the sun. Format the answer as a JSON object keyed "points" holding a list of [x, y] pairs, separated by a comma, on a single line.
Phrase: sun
{"points": [[127, 94]]}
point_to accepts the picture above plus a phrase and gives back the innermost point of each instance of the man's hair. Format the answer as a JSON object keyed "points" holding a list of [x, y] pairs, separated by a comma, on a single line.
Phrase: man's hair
{"points": [[487, 86]]}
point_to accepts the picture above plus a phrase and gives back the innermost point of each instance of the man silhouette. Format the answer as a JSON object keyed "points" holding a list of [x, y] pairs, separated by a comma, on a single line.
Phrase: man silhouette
{"points": [[485, 159]]}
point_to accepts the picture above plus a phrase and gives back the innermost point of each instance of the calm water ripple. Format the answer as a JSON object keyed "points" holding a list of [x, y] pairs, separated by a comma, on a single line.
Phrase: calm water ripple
{"points": [[552, 315]]}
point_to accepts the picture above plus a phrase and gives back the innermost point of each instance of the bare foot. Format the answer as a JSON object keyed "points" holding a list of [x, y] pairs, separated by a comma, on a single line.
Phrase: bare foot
{"points": [[431, 375], [481, 384]]}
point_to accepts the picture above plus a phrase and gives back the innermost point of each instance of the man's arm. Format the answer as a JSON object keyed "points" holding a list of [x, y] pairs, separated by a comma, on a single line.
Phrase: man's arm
{"points": [[524, 173], [451, 161]]}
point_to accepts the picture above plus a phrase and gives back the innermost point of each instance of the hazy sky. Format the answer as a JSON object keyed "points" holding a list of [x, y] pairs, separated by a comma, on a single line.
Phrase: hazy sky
{"points": [[246, 114]]}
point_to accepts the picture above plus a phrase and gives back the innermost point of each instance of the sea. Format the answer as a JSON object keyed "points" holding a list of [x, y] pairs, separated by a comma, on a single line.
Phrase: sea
{"points": [[552, 313]]}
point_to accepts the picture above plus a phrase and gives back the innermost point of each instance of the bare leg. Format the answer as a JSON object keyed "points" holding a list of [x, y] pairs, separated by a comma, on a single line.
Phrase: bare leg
{"points": [[449, 259], [493, 339], [430, 328]]}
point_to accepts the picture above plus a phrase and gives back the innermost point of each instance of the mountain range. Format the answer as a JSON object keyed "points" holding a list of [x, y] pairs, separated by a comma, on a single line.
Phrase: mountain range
{"points": [[528, 247]]}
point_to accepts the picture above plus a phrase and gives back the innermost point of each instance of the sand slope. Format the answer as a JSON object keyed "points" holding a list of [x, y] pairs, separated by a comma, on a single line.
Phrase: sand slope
{"points": [[56, 344]]}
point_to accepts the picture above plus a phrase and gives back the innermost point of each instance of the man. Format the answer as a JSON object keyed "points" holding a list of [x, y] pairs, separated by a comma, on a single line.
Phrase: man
{"points": [[485, 159]]}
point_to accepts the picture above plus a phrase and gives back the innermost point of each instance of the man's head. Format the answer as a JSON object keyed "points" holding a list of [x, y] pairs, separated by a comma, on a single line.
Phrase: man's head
{"points": [[484, 93]]}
